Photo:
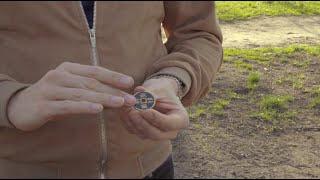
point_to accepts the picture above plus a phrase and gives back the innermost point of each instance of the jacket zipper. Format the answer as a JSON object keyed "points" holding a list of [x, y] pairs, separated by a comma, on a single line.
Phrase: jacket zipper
{"points": [[95, 62]]}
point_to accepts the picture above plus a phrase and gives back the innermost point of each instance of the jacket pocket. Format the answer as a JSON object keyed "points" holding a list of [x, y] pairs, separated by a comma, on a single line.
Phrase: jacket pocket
{"points": [[12, 169]]}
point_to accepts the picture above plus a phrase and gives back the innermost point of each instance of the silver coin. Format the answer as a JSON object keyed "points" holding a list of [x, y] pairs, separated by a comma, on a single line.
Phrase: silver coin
{"points": [[145, 100]]}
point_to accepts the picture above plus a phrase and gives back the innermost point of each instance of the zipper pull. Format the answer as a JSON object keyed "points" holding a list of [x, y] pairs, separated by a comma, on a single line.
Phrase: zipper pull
{"points": [[92, 35], [91, 32]]}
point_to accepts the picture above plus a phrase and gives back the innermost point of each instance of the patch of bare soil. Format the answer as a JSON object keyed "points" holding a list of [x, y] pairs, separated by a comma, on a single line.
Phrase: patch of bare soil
{"points": [[271, 31], [236, 145]]}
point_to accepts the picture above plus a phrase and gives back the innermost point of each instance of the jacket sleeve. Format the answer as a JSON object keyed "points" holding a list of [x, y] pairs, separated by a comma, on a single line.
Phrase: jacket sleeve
{"points": [[194, 46], [8, 87]]}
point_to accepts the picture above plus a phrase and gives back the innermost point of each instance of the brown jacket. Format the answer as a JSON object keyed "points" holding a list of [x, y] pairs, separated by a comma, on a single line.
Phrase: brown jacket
{"points": [[36, 37]]}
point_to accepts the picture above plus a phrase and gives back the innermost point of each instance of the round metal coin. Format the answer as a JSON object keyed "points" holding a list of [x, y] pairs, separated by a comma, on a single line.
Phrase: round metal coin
{"points": [[145, 100]]}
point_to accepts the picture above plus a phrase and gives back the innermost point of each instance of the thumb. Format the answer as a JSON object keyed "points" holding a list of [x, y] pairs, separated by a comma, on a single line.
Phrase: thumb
{"points": [[139, 89]]}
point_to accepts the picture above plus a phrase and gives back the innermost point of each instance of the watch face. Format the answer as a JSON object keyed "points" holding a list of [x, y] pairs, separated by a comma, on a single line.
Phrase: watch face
{"points": [[145, 100]]}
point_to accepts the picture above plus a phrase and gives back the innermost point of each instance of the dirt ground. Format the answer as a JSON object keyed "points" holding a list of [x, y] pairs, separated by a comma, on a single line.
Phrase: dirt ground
{"points": [[235, 145], [271, 31]]}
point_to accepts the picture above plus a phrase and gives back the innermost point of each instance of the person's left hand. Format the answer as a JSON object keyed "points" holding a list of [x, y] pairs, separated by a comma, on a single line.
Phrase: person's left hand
{"points": [[166, 119]]}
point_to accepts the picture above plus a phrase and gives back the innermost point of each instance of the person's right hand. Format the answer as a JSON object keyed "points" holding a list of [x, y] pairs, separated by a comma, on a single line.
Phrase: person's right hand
{"points": [[69, 89]]}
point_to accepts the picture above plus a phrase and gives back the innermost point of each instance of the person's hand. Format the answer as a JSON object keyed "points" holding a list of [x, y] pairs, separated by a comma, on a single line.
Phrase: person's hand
{"points": [[69, 89], [166, 119]]}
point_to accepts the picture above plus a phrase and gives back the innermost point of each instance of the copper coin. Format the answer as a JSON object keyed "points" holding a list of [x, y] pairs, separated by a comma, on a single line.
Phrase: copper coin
{"points": [[145, 100]]}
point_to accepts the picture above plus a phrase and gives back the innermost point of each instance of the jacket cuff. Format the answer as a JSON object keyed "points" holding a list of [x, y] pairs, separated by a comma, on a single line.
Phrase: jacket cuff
{"points": [[7, 90], [180, 73]]}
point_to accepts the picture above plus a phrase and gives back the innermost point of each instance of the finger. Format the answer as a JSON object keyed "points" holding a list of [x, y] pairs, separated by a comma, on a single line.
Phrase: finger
{"points": [[135, 120], [74, 94], [139, 89], [167, 106], [169, 100], [130, 127], [162, 110], [75, 81], [172, 121], [127, 123], [72, 107], [148, 131], [99, 73]]}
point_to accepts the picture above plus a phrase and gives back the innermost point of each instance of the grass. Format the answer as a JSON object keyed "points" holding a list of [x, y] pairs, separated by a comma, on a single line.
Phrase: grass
{"points": [[243, 65], [244, 10], [242, 57], [232, 95], [215, 107], [277, 103], [272, 109], [218, 107], [253, 80], [315, 101], [275, 107], [316, 90], [302, 64], [265, 54], [197, 111], [297, 81]]}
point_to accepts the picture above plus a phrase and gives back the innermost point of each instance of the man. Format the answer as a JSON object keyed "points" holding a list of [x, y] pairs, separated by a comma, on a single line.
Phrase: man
{"points": [[67, 78]]}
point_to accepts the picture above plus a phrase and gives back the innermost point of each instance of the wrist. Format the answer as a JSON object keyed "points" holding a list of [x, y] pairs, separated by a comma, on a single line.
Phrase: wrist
{"points": [[175, 83], [11, 111], [12, 106]]}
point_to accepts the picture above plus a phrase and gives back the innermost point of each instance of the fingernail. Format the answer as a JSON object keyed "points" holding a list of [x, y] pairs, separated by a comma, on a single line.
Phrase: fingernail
{"points": [[130, 100], [115, 100], [126, 80], [96, 107]]}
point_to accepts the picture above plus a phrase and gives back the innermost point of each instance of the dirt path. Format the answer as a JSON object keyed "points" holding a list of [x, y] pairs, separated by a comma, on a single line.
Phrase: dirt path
{"points": [[235, 145], [271, 31]]}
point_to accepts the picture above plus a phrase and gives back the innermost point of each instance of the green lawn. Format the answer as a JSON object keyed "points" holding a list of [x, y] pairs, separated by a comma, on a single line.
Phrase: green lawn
{"points": [[243, 10], [266, 54]]}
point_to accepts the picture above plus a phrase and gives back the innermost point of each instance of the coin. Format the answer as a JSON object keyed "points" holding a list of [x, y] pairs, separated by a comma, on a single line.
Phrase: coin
{"points": [[145, 100]]}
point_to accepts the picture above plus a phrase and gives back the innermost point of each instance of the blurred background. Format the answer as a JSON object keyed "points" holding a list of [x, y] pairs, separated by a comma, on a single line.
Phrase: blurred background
{"points": [[261, 118]]}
